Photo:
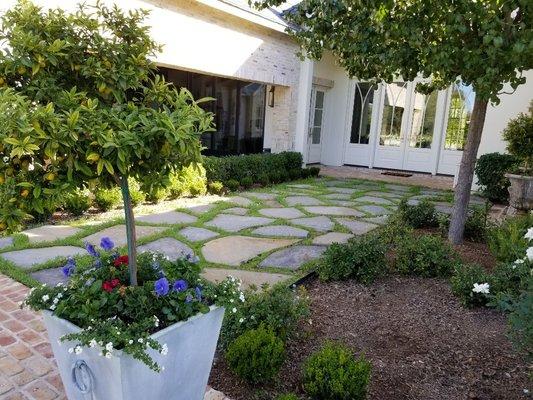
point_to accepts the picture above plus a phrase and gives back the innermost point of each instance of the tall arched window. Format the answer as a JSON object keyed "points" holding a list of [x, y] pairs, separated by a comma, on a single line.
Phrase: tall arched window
{"points": [[362, 112], [461, 106], [423, 121], [394, 106]]}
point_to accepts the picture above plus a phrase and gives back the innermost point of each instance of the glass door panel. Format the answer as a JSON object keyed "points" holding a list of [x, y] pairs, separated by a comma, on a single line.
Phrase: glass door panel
{"points": [[394, 105], [461, 106], [362, 113], [423, 120]]}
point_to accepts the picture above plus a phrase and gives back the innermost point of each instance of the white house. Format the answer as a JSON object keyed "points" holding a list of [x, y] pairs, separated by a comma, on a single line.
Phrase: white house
{"points": [[267, 99]]}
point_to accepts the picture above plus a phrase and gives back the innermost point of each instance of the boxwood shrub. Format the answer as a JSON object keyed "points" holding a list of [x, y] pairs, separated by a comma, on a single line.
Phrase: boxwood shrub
{"points": [[490, 171]]}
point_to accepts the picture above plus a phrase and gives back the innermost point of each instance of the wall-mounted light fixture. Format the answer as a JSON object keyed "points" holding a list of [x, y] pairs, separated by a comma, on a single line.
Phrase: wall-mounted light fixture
{"points": [[271, 96]]}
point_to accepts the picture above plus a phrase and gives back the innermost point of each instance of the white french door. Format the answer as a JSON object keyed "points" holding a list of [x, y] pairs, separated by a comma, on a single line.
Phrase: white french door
{"points": [[316, 125]]}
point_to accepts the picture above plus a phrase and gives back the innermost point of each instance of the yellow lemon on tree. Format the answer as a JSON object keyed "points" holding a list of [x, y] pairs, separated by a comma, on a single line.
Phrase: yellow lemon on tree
{"points": [[25, 193], [50, 176]]}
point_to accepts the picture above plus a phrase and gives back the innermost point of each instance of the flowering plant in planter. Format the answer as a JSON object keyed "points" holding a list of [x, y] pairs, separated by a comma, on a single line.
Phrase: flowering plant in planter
{"points": [[114, 315]]}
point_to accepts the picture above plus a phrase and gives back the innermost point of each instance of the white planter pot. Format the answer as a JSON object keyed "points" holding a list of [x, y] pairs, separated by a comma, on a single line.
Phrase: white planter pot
{"points": [[520, 192], [191, 348]]}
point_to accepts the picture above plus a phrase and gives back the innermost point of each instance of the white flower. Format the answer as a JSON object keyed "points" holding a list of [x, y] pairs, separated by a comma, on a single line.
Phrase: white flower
{"points": [[241, 320], [241, 297], [514, 13], [31, 167], [164, 349], [53, 307], [70, 350], [130, 341], [481, 288], [92, 343], [109, 346], [519, 261], [46, 297], [529, 253], [140, 340], [156, 321], [234, 310], [6, 159], [59, 295], [78, 350], [108, 355], [529, 234]]}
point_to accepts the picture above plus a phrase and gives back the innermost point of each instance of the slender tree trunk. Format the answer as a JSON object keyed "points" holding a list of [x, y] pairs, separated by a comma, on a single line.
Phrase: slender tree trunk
{"points": [[130, 230], [466, 172]]}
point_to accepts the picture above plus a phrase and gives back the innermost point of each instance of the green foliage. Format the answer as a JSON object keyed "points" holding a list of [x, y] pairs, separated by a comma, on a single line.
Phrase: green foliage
{"points": [[232, 185], [80, 100], [283, 175], [287, 396], [510, 278], [425, 255], [189, 181], [295, 173], [463, 280], [256, 355], [275, 176], [78, 202], [306, 173], [278, 308], [136, 194], [521, 321], [395, 229], [421, 215], [507, 242], [333, 373], [362, 259], [477, 224], [216, 187], [263, 179], [519, 137], [247, 182], [314, 171], [253, 165], [107, 199], [490, 171], [155, 194]]}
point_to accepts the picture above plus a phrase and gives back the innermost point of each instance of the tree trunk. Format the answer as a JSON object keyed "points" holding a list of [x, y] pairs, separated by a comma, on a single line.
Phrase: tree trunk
{"points": [[130, 230], [466, 172]]}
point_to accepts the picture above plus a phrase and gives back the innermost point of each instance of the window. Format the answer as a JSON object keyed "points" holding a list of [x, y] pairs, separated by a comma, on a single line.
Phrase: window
{"points": [[393, 114], [461, 106], [423, 123], [239, 109], [362, 113], [317, 118]]}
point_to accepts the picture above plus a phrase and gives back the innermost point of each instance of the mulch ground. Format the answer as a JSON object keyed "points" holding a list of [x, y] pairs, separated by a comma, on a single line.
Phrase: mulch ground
{"points": [[421, 342]]}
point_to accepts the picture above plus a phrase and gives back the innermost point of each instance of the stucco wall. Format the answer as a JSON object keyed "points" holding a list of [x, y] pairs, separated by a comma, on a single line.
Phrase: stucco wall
{"points": [[200, 38]]}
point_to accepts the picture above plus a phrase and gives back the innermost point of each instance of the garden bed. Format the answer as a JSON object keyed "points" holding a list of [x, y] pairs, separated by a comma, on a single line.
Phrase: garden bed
{"points": [[421, 342]]}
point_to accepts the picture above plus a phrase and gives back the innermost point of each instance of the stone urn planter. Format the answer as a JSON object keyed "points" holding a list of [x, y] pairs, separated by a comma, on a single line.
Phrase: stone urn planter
{"points": [[520, 192], [191, 348]]}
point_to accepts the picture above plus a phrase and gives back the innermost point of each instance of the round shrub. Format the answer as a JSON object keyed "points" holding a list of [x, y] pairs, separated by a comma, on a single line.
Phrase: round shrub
{"points": [[490, 171], [426, 255], [275, 176], [256, 355], [519, 137], [306, 173], [137, 196], [77, 202], [421, 215], [295, 173], [247, 182], [263, 179], [107, 199], [333, 373], [362, 258], [215, 187], [314, 171], [462, 282], [232, 185], [156, 194]]}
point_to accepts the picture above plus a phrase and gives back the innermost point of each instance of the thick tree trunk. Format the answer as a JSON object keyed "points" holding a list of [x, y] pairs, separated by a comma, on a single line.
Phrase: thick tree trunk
{"points": [[130, 230], [466, 172]]}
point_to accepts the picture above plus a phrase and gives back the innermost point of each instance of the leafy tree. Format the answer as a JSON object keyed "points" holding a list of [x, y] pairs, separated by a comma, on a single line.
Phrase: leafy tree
{"points": [[81, 101], [485, 43]]}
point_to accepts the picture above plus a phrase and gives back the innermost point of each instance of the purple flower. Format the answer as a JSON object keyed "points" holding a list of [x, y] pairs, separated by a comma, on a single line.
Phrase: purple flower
{"points": [[91, 250], [188, 299], [106, 243], [69, 267], [198, 292], [161, 286], [180, 286], [97, 263]]}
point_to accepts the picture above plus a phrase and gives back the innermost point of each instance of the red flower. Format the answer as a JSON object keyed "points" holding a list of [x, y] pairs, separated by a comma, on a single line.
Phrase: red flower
{"points": [[122, 260], [108, 286]]}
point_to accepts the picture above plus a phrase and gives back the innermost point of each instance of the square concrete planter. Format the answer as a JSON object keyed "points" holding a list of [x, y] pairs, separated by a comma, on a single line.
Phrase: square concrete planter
{"points": [[191, 348]]}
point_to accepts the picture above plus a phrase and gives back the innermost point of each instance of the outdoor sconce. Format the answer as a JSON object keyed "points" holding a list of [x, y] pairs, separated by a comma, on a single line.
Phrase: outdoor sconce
{"points": [[271, 96]]}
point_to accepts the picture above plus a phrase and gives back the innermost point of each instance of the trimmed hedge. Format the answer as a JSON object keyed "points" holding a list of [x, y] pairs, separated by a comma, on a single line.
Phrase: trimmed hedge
{"points": [[490, 171]]}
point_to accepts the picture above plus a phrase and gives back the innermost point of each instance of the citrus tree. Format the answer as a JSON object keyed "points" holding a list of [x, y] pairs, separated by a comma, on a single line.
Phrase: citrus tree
{"points": [[80, 100], [484, 43]]}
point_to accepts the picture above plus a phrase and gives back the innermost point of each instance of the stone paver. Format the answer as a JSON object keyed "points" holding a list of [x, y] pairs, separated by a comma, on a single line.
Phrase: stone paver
{"points": [[398, 188], [240, 201], [27, 258], [272, 204], [117, 234], [200, 209], [392, 195], [235, 223], [373, 199], [379, 220], [342, 190], [301, 186], [302, 201], [321, 224], [281, 230], [337, 196], [293, 257], [49, 233], [170, 247], [375, 209], [260, 196], [195, 234], [332, 237], [285, 213], [356, 227], [167, 218], [333, 210], [6, 242], [234, 250], [236, 211], [248, 278], [51, 276]]}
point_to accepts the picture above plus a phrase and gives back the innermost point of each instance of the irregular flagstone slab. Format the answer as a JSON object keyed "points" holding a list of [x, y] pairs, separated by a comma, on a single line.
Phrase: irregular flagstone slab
{"points": [[49, 233], [380, 220], [343, 203], [195, 234], [342, 190], [247, 278], [170, 247], [235, 223], [293, 257], [6, 242], [372, 199], [321, 224], [337, 196], [413, 202], [281, 230], [398, 188], [357, 227], [272, 204], [240, 201], [375, 210], [260, 196], [392, 195], [235, 211], [51, 276], [200, 209], [285, 213], [25, 259], [302, 186], [332, 237], [302, 201], [444, 208], [335, 182], [234, 250], [117, 234], [333, 210], [167, 217]]}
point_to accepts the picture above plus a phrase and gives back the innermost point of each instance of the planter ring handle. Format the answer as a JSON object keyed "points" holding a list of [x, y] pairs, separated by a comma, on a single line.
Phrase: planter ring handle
{"points": [[82, 376]]}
